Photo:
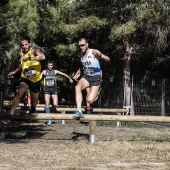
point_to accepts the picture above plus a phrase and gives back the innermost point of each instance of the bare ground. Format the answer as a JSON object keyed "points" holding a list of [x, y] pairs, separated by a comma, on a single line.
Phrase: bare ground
{"points": [[35, 146]]}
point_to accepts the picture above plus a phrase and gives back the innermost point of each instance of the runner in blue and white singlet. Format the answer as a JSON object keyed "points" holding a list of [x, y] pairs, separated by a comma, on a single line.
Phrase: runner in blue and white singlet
{"points": [[91, 75], [91, 65]]}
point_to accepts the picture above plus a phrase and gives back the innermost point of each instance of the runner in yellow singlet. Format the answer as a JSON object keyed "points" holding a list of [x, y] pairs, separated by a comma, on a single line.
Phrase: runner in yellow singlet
{"points": [[30, 76]]}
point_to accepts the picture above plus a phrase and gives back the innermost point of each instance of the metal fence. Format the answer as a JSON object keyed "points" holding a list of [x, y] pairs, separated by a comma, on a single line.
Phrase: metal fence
{"points": [[148, 97], [152, 97]]}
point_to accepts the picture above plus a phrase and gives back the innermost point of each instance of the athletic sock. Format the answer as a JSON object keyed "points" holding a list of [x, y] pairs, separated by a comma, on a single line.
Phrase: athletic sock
{"points": [[47, 110], [79, 109]]}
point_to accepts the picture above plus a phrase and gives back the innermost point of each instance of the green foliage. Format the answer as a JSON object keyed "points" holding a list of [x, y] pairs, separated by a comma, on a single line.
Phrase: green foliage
{"points": [[91, 23], [120, 31], [19, 18], [22, 18], [65, 50], [56, 25]]}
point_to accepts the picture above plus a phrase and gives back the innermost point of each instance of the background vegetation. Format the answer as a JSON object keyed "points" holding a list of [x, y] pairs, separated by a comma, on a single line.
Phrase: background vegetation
{"points": [[135, 34]]}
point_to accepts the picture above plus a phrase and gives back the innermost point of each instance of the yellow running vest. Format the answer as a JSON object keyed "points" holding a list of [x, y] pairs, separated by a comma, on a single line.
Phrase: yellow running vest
{"points": [[31, 69]]}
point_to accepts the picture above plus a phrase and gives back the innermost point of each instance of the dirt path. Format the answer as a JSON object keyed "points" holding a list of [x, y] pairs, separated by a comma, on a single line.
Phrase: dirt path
{"points": [[35, 146]]}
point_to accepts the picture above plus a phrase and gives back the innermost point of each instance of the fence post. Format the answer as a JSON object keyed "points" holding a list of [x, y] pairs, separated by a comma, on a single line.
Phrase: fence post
{"points": [[118, 123], [92, 131], [63, 121], [163, 98], [2, 132]]}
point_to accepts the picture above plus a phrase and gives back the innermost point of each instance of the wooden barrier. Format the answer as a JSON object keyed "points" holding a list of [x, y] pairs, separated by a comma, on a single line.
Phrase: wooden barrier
{"points": [[93, 118], [21, 114], [40, 107], [54, 116], [122, 115], [63, 110]]}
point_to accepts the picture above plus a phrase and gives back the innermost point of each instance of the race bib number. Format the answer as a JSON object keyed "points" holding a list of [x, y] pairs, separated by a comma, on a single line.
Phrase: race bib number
{"points": [[50, 82], [30, 72], [88, 70]]}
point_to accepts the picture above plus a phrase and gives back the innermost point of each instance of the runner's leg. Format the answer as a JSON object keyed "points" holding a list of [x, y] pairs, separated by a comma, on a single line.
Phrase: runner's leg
{"points": [[90, 98], [81, 85], [47, 100], [88, 108], [23, 87], [34, 99], [55, 102], [47, 106]]}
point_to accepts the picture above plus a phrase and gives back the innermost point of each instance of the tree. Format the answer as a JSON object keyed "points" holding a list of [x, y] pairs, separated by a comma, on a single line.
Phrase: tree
{"points": [[18, 18], [128, 31], [134, 26]]}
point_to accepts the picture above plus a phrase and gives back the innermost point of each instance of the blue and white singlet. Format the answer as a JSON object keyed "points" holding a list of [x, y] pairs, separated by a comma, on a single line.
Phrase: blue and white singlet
{"points": [[91, 65]]}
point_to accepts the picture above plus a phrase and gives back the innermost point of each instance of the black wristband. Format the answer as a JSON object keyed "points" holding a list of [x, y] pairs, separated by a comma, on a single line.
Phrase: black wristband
{"points": [[29, 58]]}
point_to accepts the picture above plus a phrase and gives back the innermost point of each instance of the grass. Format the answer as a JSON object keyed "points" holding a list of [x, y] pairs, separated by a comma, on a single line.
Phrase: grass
{"points": [[136, 146]]}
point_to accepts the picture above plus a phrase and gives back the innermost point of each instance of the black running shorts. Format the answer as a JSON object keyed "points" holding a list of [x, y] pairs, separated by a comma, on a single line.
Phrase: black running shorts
{"points": [[50, 90], [33, 86], [93, 80]]}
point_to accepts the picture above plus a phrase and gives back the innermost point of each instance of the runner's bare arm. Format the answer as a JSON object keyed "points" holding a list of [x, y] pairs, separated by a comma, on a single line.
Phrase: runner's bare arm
{"points": [[63, 74], [77, 75], [43, 72], [15, 71], [38, 55], [98, 55]]}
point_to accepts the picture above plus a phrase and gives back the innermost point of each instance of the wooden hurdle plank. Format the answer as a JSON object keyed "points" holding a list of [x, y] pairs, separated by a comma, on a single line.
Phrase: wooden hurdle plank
{"points": [[40, 107], [93, 118], [109, 110], [54, 116], [63, 110]]}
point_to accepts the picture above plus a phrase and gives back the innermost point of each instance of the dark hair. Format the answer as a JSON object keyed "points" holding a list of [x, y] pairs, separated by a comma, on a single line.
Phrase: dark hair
{"points": [[26, 38], [83, 39], [49, 62]]}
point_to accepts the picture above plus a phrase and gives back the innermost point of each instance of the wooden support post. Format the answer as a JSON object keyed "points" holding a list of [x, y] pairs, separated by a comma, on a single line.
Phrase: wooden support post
{"points": [[63, 121], [92, 131], [118, 123], [2, 132]]}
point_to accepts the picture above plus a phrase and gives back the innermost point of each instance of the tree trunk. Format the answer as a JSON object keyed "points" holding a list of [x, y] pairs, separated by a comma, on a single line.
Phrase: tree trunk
{"points": [[126, 72]]}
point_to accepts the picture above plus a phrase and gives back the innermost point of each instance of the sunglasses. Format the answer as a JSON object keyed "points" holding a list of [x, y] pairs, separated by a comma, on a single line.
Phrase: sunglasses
{"points": [[82, 45]]}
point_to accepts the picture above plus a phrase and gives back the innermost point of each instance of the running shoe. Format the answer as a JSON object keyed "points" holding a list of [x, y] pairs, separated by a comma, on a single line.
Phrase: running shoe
{"points": [[88, 110], [7, 120], [49, 122], [78, 114], [53, 109], [33, 110], [47, 110]]}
